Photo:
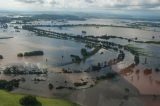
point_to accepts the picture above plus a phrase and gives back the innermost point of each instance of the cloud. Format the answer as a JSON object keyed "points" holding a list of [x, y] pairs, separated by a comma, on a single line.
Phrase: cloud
{"points": [[31, 1], [118, 4], [83, 4], [54, 2], [90, 1]]}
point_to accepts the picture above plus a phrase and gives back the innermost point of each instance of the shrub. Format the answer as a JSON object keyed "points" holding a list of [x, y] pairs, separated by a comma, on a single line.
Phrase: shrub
{"points": [[127, 90], [9, 85], [50, 86], [1, 57], [60, 87], [76, 58], [34, 53], [84, 52], [157, 69], [110, 75], [20, 55], [77, 84], [29, 101], [136, 59]]}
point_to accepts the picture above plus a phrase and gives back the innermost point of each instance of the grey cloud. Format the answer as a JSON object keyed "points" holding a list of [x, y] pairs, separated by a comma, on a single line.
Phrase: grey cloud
{"points": [[31, 1], [54, 2], [90, 1], [115, 4], [151, 4], [143, 4]]}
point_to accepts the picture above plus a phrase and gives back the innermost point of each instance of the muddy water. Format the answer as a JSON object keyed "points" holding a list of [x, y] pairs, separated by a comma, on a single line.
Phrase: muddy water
{"points": [[143, 35], [145, 83], [121, 32], [26, 41], [54, 50]]}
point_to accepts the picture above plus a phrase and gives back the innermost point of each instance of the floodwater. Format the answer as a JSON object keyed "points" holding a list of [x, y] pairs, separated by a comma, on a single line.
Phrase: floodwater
{"points": [[144, 34], [54, 49], [115, 31]]}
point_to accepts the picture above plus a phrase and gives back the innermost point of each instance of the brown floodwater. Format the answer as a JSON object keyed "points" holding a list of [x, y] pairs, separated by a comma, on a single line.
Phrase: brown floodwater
{"points": [[54, 49]]}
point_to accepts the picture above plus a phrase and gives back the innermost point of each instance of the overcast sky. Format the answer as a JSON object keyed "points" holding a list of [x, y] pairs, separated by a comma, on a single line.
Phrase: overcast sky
{"points": [[45, 5]]}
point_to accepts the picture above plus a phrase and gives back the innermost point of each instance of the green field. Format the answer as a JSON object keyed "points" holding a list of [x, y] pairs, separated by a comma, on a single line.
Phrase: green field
{"points": [[9, 99]]}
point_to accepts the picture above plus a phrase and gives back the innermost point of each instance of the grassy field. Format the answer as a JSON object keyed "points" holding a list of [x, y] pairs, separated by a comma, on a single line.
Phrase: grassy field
{"points": [[9, 99]]}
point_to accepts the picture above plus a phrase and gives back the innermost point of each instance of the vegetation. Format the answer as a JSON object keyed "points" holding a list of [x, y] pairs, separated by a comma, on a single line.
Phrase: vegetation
{"points": [[87, 54], [50, 86], [29, 101], [1, 57], [136, 59], [76, 59], [60, 87], [77, 84], [6, 37], [86, 25], [153, 42], [9, 85], [9, 99], [109, 75], [63, 87], [20, 55], [19, 71], [34, 53], [121, 56], [66, 71], [84, 52], [135, 50], [157, 69], [96, 67]]}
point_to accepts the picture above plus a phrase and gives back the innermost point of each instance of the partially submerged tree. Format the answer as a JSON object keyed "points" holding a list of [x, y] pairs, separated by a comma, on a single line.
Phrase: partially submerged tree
{"points": [[1, 57], [50, 86]]}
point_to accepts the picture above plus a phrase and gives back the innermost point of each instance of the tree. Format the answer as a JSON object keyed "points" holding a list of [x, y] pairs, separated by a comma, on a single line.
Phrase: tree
{"points": [[1, 57], [20, 55], [29, 101], [84, 52], [50, 86], [136, 59]]}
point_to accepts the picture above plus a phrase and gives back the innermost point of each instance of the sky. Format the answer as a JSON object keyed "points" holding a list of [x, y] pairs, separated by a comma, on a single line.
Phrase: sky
{"points": [[49, 5]]}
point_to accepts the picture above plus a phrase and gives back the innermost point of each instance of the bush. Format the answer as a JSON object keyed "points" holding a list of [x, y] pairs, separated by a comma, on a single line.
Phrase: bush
{"points": [[9, 85], [1, 57], [77, 84], [50, 86], [84, 52], [110, 75], [136, 59], [157, 69], [76, 58], [29, 101], [127, 90], [34, 53], [20, 55], [60, 87]]}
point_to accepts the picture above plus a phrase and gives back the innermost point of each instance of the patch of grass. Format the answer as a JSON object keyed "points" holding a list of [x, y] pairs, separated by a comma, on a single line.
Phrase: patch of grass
{"points": [[9, 99], [153, 42], [136, 50]]}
